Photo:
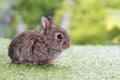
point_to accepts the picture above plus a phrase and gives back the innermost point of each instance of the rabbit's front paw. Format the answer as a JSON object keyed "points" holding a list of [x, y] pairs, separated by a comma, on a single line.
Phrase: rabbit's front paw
{"points": [[50, 64]]}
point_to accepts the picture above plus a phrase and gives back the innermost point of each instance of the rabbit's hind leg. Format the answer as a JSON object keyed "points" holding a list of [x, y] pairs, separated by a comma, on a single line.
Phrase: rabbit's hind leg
{"points": [[27, 62]]}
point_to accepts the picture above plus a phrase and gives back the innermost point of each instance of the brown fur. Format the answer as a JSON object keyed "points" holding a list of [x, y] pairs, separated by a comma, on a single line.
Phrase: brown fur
{"points": [[39, 47]]}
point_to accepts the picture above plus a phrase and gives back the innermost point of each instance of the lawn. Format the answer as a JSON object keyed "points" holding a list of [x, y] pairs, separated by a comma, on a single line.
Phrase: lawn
{"points": [[76, 63]]}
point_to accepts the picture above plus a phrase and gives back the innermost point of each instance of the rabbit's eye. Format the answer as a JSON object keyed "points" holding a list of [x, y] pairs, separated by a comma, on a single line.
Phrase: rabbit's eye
{"points": [[59, 36]]}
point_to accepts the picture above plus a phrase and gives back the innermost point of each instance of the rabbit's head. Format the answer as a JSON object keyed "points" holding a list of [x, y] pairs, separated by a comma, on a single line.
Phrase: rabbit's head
{"points": [[56, 37]]}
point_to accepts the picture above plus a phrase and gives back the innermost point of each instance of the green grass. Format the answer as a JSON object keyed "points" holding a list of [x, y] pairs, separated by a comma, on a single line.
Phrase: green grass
{"points": [[76, 63]]}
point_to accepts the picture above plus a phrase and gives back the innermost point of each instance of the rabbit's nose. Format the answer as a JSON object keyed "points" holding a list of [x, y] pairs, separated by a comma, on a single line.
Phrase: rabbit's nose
{"points": [[66, 44]]}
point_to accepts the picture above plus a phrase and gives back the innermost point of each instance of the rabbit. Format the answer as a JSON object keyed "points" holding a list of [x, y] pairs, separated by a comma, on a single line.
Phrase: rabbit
{"points": [[43, 47]]}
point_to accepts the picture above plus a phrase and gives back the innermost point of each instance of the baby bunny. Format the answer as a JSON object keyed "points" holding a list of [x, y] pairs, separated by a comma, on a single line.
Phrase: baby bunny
{"points": [[39, 47]]}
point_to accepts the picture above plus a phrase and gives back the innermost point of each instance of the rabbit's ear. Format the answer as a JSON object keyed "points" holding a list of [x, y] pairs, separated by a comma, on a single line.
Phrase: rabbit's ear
{"points": [[46, 24]]}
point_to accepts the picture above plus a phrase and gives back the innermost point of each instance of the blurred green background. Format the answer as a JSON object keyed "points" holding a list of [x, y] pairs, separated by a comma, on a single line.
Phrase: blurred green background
{"points": [[95, 22]]}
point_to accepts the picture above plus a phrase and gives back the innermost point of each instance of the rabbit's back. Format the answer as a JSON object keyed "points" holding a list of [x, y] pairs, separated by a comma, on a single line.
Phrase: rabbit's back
{"points": [[28, 46]]}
